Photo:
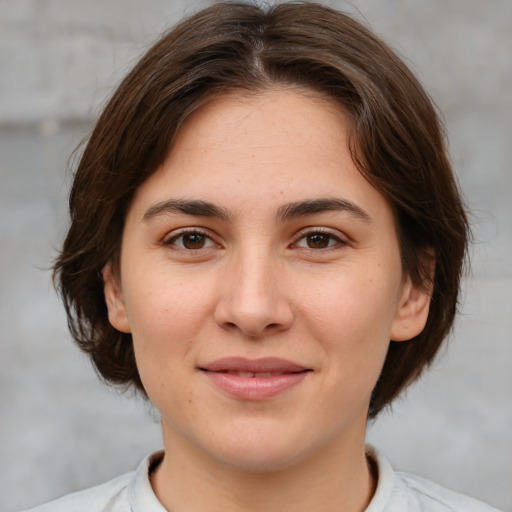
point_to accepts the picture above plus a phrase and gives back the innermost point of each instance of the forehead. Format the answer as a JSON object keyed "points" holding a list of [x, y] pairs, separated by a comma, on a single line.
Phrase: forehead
{"points": [[276, 118], [277, 146]]}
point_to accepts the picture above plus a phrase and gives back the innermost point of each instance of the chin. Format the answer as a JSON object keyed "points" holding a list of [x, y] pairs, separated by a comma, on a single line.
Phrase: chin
{"points": [[261, 451], [259, 460]]}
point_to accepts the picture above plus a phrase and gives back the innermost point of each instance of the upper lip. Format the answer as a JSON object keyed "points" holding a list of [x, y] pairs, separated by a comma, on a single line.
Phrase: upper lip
{"points": [[262, 365]]}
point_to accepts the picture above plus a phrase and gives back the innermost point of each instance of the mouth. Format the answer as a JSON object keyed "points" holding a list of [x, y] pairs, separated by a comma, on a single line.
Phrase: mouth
{"points": [[266, 365], [254, 380], [250, 375]]}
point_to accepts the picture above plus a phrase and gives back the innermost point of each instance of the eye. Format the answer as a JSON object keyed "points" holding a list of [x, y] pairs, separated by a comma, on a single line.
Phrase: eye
{"points": [[319, 240], [190, 241]]}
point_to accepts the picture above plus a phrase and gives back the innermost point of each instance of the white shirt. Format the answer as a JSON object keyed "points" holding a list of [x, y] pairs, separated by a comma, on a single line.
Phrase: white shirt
{"points": [[396, 492]]}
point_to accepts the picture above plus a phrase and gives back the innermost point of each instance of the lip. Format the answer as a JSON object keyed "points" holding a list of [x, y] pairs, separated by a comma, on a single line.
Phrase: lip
{"points": [[224, 374]]}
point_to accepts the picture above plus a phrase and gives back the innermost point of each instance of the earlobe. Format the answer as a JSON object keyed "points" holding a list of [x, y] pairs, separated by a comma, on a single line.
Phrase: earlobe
{"points": [[114, 299], [412, 312]]}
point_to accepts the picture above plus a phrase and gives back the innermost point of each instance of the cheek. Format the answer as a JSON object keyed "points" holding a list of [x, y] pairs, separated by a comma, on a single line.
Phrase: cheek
{"points": [[352, 318], [165, 328], [352, 304], [165, 315], [350, 324], [163, 297]]}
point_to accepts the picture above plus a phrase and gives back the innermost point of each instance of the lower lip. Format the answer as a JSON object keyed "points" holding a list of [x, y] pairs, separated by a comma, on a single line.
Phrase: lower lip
{"points": [[254, 388]]}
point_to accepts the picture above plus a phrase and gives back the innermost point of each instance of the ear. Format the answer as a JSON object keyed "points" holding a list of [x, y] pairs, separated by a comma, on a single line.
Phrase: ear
{"points": [[412, 311], [114, 299]]}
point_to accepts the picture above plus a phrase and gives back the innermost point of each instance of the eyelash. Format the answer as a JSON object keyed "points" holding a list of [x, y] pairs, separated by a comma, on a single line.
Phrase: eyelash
{"points": [[338, 241], [184, 232], [302, 236]]}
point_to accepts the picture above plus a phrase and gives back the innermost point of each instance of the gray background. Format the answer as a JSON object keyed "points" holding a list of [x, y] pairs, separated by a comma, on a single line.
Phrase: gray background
{"points": [[60, 430]]}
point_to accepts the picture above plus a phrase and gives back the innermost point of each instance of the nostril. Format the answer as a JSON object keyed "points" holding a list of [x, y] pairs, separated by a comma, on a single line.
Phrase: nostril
{"points": [[254, 319]]}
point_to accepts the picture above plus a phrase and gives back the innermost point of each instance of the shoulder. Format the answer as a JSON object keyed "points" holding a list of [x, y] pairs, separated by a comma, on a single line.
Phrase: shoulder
{"points": [[125, 493], [403, 491], [110, 496], [433, 497]]}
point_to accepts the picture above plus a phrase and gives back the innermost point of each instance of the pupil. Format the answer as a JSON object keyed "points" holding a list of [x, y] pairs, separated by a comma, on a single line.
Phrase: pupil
{"points": [[318, 241], [193, 241]]}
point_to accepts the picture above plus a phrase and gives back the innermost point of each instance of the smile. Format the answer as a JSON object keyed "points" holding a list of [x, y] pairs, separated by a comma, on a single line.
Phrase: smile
{"points": [[254, 380], [247, 375]]}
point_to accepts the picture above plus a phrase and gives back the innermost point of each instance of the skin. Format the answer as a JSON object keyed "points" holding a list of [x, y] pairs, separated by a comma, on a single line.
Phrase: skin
{"points": [[324, 290]]}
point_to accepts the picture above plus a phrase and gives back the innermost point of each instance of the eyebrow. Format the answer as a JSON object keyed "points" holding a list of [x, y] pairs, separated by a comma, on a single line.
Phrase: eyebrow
{"points": [[286, 212], [313, 206], [188, 207]]}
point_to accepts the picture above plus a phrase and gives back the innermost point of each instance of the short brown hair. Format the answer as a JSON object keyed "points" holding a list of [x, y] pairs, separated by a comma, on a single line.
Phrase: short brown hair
{"points": [[395, 138]]}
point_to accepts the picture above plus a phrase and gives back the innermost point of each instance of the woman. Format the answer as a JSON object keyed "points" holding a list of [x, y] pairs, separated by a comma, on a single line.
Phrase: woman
{"points": [[267, 242]]}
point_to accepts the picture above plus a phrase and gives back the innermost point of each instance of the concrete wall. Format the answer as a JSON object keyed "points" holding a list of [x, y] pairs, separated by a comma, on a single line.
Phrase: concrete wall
{"points": [[59, 429]]}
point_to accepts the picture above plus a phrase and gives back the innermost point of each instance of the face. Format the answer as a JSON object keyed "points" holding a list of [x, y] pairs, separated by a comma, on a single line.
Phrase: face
{"points": [[260, 277]]}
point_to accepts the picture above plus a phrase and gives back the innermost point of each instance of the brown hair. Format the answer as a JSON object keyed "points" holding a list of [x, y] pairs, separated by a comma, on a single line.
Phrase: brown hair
{"points": [[395, 138]]}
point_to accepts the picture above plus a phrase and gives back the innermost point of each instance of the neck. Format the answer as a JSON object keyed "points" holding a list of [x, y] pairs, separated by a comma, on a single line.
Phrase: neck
{"points": [[337, 478]]}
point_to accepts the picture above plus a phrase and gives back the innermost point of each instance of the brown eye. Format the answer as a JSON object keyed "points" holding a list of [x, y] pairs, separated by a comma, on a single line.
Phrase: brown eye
{"points": [[318, 240], [194, 241], [191, 241]]}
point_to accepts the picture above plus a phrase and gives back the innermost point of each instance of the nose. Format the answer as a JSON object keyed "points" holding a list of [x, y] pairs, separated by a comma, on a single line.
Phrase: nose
{"points": [[251, 298]]}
